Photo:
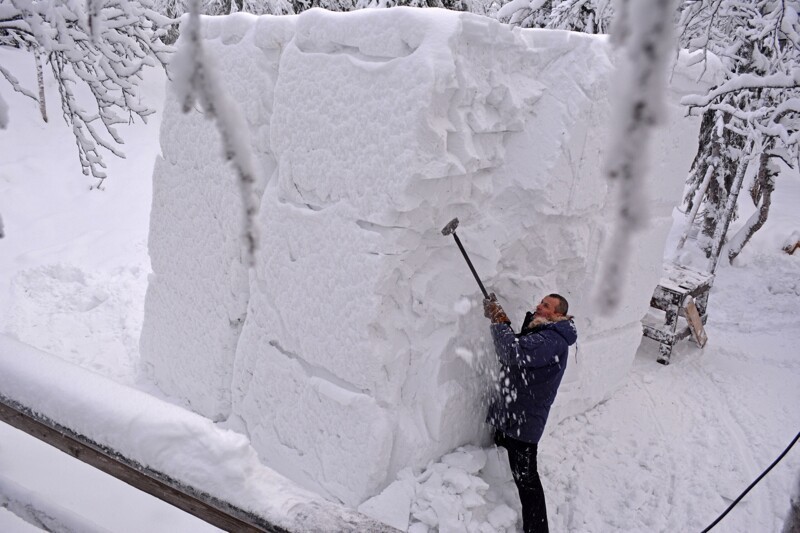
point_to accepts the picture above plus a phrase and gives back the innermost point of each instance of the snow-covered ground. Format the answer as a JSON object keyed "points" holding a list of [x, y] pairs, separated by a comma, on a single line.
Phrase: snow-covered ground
{"points": [[667, 452], [675, 445]]}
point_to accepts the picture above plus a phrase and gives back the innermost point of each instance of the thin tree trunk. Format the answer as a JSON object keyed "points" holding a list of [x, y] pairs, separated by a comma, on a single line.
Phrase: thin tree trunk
{"points": [[698, 199], [40, 80], [766, 182], [727, 215]]}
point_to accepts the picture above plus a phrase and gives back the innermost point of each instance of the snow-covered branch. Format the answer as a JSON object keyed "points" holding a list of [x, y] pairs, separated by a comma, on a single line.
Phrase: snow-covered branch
{"points": [[103, 46], [759, 47], [196, 79], [15, 83], [765, 121], [755, 108], [741, 83], [588, 16]]}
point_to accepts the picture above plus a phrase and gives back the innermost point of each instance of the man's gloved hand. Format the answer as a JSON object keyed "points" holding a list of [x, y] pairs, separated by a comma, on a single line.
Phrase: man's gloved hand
{"points": [[493, 311]]}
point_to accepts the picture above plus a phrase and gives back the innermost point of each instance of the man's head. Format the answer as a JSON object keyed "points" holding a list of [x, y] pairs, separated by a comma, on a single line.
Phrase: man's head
{"points": [[552, 307]]}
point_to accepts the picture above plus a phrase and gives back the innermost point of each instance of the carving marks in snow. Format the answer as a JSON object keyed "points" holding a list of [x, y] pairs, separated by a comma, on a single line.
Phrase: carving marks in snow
{"points": [[353, 52], [494, 95], [321, 374], [350, 35], [423, 111]]}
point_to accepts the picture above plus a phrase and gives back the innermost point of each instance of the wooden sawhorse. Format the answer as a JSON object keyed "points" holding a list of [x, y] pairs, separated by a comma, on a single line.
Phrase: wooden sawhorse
{"points": [[681, 293]]}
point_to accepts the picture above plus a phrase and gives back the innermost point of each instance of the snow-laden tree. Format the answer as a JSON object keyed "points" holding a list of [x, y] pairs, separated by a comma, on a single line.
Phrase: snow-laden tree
{"points": [[472, 6], [587, 16], [175, 8], [256, 7], [96, 50], [751, 119]]}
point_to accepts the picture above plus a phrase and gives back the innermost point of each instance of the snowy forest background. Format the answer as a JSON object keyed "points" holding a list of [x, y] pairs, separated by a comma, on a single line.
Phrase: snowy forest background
{"points": [[99, 51]]}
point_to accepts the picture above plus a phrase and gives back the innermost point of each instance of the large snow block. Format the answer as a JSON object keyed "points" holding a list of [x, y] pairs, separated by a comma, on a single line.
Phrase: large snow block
{"points": [[363, 348]]}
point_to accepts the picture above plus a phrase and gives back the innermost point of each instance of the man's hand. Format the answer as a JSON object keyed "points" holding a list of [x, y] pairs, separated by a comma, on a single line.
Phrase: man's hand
{"points": [[493, 311]]}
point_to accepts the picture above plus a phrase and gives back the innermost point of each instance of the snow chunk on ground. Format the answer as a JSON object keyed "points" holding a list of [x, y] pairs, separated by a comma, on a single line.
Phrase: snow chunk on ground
{"points": [[471, 460], [452, 495], [393, 505]]}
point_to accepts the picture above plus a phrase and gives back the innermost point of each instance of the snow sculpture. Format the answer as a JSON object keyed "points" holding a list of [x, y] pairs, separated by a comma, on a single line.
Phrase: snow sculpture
{"points": [[357, 347]]}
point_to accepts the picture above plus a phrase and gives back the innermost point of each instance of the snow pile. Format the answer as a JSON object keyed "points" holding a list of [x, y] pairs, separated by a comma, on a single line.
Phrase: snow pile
{"points": [[465, 491], [356, 347]]}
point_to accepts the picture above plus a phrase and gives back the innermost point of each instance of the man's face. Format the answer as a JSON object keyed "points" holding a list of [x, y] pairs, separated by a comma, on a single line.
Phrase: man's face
{"points": [[547, 308]]}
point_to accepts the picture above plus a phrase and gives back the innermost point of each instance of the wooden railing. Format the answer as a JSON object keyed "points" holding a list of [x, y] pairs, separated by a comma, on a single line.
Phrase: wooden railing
{"points": [[200, 504]]}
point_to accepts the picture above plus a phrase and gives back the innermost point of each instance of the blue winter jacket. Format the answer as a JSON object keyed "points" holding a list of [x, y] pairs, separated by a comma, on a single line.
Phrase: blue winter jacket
{"points": [[531, 367]]}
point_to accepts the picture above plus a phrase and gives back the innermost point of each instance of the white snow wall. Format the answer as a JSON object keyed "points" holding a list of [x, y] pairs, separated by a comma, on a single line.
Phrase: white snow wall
{"points": [[350, 351]]}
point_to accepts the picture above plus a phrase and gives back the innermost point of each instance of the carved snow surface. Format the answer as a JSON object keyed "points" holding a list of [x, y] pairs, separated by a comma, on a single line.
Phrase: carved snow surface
{"points": [[341, 354]]}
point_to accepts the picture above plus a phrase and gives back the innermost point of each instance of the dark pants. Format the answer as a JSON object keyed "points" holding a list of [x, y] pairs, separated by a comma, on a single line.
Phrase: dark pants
{"points": [[522, 459]]}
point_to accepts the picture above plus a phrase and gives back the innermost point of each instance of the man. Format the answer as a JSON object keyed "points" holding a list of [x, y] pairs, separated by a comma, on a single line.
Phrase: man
{"points": [[531, 367]]}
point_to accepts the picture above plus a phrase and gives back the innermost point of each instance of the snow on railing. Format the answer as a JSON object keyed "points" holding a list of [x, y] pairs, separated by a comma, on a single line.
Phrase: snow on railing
{"points": [[164, 450]]}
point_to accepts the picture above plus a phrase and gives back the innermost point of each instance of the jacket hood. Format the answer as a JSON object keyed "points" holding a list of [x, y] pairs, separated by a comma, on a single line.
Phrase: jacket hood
{"points": [[565, 327]]}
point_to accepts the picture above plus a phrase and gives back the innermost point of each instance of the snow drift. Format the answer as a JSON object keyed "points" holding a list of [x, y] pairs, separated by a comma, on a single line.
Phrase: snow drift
{"points": [[356, 347]]}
